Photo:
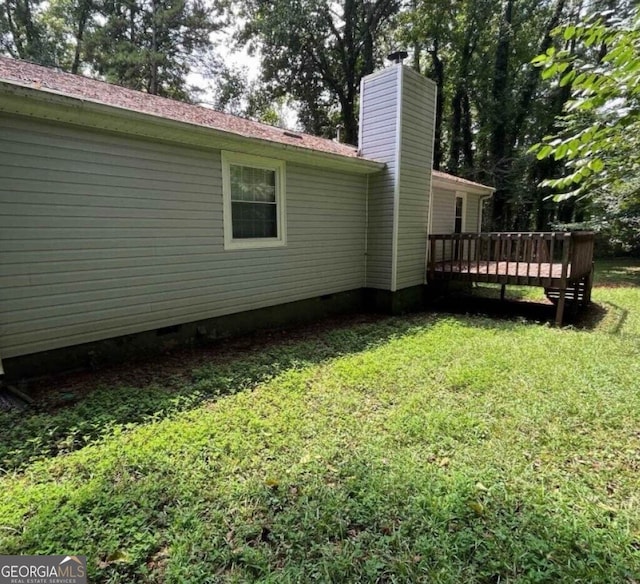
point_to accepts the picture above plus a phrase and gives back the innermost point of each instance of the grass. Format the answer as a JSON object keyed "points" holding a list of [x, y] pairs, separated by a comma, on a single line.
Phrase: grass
{"points": [[430, 448]]}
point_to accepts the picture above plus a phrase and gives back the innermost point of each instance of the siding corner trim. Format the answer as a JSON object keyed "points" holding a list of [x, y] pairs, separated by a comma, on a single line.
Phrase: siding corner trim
{"points": [[396, 188]]}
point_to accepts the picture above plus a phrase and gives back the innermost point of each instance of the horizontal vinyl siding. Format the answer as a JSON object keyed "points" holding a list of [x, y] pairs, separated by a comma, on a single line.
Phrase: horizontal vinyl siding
{"points": [[102, 236], [416, 156], [473, 213], [442, 215], [378, 141], [443, 211]]}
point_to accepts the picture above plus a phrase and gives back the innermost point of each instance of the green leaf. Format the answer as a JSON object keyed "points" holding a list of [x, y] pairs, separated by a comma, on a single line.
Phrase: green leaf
{"points": [[567, 78], [596, 165], [544, 152], [561, 151], [550, 71]]}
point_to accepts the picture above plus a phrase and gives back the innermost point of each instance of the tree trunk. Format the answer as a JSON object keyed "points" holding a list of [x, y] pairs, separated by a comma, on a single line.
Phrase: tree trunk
{"points": [[500, 119], [17, 40], [437, 73], [455, 130], [460, 128], [153, 64], [533, 75], [30, 32], [350, 122], [416, 65], [83, 16], [467, 135]]}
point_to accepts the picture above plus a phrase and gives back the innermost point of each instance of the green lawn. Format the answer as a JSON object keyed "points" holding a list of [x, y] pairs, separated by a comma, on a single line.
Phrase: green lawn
{"points": [[430, 448]]}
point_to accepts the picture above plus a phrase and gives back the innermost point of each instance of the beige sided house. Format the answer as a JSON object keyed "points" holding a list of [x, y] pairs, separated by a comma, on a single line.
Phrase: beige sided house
{"points": [[129, 220]]}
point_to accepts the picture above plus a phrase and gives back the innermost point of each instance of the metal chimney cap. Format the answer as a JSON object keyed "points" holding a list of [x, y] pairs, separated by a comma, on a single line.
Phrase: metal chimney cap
{"points": [[398, 56]]}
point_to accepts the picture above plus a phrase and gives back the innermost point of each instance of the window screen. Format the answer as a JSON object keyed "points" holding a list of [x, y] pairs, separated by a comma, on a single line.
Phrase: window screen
{"points": [[254, 207]]}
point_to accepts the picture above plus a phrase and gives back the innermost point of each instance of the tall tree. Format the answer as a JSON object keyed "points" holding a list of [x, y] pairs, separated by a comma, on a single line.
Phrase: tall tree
{"points": [[150, 45], [427, 27], [22, 34], [317, 51], [68, 22], [492, 103], [460, 136], [515, 84]]}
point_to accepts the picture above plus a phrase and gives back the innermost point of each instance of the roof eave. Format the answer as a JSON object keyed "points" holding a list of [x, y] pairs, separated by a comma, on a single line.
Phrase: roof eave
{"points": [[54, 106], [467, 186]]}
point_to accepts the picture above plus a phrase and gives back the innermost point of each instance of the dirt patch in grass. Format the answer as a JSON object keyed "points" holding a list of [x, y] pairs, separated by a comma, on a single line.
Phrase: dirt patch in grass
{"points": [[173, 368]]}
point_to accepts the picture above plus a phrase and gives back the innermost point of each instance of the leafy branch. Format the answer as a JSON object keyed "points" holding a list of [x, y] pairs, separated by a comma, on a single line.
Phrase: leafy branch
{"points": [[599, 134]]}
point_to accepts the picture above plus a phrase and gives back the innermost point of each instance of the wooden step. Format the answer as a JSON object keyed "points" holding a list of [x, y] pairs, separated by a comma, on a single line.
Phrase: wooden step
{"points": [[576, 293], [571, 295]]}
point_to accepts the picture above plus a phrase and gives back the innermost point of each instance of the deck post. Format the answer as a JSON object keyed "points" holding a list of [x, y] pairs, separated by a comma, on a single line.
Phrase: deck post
{"points": [[432, 258], [503, 289], [567, 247], [560, 308]]}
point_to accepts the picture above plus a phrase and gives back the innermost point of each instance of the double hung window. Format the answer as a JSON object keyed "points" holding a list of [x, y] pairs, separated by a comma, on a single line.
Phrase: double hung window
{"points": [[253, 189]]}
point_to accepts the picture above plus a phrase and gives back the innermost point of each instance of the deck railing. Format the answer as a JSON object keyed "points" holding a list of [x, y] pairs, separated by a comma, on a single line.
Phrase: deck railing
{"points": [[562, 255]]}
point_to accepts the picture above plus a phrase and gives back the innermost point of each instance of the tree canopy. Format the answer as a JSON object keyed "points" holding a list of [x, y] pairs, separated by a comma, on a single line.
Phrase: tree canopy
{"points": [[316, 52], [150, 45], [598, 137]]}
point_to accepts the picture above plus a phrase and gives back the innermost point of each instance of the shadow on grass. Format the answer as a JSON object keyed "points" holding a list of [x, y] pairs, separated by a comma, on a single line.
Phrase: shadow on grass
{"points": [[605, 316], [617, 272], [512, 309], [591, 317], [488, 303], [72, 411], [493, 291]]}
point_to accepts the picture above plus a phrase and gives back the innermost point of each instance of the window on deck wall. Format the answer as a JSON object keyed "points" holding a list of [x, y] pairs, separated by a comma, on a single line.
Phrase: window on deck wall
{"points": [[459, 215], [253, 189]]}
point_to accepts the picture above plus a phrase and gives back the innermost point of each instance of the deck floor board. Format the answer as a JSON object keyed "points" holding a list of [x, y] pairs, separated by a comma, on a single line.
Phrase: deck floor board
{"points": [[544, 270]]}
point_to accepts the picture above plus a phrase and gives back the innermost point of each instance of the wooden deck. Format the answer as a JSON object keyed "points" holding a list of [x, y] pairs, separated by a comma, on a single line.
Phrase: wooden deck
{"points": [[560, 262]]}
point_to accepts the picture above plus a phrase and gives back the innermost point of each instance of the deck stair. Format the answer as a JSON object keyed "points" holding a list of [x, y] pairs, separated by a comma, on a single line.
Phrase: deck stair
{"points": [[578, 293]]}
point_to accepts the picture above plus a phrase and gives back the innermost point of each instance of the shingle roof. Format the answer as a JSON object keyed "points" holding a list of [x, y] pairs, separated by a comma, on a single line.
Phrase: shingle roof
{"points": [[77, 86]]}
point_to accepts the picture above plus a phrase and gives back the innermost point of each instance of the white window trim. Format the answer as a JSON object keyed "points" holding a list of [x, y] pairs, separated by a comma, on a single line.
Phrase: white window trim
{"points": [[229, 158], [462, 195]]}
